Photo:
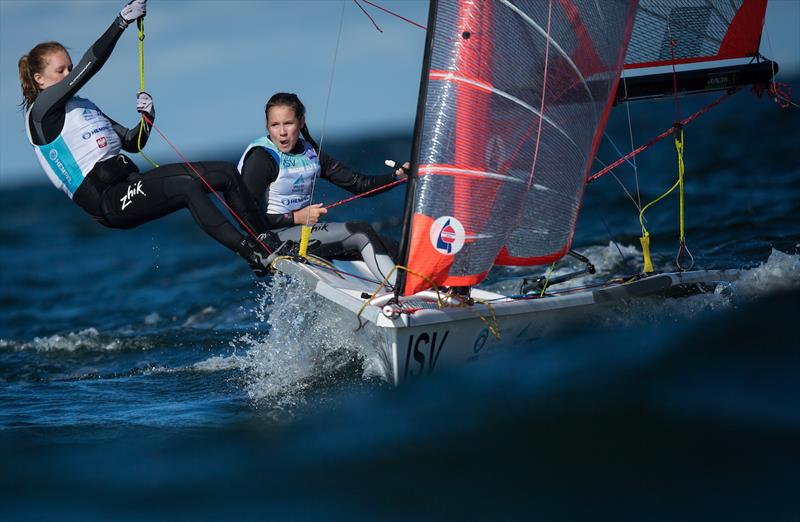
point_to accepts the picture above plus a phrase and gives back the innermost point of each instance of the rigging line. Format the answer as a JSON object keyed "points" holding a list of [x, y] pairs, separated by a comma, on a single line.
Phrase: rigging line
{"points": [[382, 187], [412, 22], [621, 184], [142, 123], [210, 188], [327, 103], [611, 236], [541, 104], [630, 134], [368, 16], [611, 141], [661, 136], [779, 97], [672, 44]]}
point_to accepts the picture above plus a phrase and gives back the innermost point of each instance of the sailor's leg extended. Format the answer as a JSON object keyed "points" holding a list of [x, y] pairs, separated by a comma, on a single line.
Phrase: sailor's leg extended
{"points": [[223, 177], [334, 239], [164, 190]]}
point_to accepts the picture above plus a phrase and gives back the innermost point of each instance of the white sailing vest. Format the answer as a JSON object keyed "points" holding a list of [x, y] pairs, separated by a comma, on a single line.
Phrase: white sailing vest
{"points": [[86, 139], [296, 172]]}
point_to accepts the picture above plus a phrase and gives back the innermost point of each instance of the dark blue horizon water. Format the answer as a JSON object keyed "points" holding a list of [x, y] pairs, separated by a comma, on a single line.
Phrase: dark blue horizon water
{"points": [[145, 374]]}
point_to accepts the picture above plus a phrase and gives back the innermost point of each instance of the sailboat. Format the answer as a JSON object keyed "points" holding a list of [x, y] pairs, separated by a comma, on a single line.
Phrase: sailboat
{"points": [[513, 103]]}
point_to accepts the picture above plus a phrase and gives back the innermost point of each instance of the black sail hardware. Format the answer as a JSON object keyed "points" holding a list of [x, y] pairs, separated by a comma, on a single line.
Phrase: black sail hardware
{"points": [[650, 86], [538, 285]]}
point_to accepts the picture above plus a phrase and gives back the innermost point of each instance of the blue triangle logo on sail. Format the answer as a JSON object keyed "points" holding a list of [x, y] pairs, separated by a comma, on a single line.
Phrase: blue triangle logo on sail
{"points": [[447, 236]]}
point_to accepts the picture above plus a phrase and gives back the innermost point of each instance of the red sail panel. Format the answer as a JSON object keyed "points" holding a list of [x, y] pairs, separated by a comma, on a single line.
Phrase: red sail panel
{"points": [[450, 218], [668, 32]]}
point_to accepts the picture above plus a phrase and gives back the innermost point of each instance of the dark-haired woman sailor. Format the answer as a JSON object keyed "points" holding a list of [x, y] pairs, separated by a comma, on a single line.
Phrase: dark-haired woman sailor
{"points": [[280, 170]]}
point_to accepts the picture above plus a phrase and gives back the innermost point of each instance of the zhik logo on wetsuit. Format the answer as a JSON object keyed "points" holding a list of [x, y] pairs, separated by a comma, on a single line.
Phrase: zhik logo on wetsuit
{"points": [[133, 190]]}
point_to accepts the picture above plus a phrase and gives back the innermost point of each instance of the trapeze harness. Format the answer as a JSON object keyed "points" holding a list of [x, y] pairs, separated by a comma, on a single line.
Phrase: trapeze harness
{"points": [[79, 148], [291, 190]]}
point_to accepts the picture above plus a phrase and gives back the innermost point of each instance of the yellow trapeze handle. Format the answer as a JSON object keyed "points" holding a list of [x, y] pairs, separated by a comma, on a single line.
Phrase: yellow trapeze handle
{"points": [[305, 235], [140, 25]]}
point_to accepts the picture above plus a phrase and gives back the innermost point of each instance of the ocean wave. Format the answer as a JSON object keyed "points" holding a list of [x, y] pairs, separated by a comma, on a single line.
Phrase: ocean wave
{"points": [[88, 340]]}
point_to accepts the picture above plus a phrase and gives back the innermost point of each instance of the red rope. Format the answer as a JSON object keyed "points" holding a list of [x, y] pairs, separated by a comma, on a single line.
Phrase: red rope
{"points": [[210, 188], [382, 187], [658, 138], [393, 14]]}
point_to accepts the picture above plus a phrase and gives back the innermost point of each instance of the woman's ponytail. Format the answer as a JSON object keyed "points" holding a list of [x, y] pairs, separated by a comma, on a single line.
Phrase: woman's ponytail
{"points": [[35, 62]]}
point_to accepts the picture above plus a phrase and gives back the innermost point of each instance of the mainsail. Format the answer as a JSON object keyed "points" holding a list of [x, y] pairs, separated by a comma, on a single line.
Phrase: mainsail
{"points": [[670, 32], [513, 103], [678, 32]]}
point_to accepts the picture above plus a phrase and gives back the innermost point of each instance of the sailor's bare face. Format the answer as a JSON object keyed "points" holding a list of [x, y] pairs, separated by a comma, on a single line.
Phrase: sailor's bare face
{"points": [[59, 65], [283, 127]]}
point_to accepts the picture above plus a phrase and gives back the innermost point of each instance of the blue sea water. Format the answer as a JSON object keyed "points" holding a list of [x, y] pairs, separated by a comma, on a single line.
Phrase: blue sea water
{"points": [[145, 374]]}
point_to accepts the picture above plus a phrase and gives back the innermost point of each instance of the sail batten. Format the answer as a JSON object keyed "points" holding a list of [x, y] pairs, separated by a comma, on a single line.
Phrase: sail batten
{"points": [[443, 170], [553, 43], [440, 75]]}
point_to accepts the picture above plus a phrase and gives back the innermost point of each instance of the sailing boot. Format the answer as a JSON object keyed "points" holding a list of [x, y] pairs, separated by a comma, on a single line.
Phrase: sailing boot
{"points": [[258, 257]]}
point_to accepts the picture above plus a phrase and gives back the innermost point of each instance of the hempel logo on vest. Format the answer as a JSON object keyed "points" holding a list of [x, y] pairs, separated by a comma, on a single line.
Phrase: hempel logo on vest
{"points": [[133, 189], [293, 201], [54, 158], [447, 235], [88, 134]]}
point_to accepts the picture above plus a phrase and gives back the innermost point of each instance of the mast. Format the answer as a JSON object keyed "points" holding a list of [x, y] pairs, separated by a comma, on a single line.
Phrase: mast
{"points": [[415, 148]]}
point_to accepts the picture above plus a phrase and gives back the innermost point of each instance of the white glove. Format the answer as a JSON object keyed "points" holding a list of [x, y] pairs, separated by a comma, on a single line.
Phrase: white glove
{"points": [[135, 9], [144, 104]]}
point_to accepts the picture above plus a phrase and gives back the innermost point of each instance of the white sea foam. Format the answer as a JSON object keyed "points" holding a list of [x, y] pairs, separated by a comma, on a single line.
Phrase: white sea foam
{"points": [[219, 363], [781, 271], [89, 340], [302, 340], [200, 317]]}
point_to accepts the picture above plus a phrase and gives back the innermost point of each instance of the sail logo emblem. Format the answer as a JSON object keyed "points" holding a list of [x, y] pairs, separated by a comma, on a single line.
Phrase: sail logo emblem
{"points": [[447, 235]]}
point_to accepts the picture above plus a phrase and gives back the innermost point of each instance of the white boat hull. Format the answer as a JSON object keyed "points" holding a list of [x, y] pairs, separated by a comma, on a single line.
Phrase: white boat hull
{"points": [[428, 337]]}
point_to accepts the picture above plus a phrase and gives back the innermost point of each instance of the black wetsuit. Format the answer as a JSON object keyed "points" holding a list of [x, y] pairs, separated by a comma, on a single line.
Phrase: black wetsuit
{"points": [[117, 195], [330, 240]]}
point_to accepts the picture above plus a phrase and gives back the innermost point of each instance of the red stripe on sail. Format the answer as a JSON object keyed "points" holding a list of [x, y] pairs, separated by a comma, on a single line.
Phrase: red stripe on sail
{"points": [[472, 107], [472, 77]]}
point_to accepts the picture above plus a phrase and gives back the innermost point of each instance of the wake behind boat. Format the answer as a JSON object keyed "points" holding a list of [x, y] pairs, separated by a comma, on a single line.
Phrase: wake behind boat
{"points": [[514, 101]]}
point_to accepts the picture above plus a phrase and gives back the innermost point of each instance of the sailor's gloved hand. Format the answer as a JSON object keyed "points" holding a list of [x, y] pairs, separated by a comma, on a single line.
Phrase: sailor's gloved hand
{"points": [[135, 9], [144, 105]]}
